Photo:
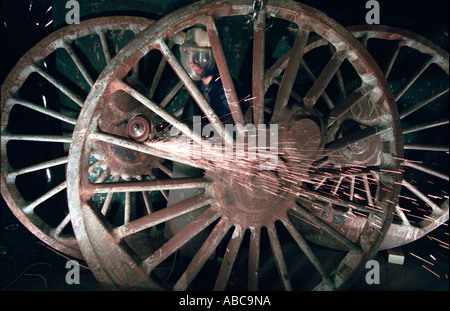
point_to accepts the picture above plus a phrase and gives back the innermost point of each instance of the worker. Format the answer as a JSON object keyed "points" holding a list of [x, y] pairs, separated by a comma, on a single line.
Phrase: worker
{"points": [[198, 60]]}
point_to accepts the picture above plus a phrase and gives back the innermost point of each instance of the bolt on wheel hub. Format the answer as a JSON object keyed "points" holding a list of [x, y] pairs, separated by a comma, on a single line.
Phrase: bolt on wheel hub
{"points": [[138, 128]]}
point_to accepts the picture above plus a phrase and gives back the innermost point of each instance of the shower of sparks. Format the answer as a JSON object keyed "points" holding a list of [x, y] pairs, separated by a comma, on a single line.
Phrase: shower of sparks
{"points": [[426, 261], [311, 176], [299, 174], [428, 269], [347, 182]]}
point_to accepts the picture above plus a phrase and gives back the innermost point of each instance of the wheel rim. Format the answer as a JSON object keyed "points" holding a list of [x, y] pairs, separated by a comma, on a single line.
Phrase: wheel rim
{"points": [[410, 223], [70, 45], [229, 211]]}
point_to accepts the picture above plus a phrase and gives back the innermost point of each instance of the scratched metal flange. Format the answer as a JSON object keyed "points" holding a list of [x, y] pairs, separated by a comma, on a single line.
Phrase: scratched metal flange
{"points": [[41, 100], [249, 216]]}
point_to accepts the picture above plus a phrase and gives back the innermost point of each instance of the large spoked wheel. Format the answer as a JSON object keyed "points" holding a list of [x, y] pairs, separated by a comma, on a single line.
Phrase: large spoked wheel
{"points": [[417, 71], [243, 216], [41, 100], [419, 81]]}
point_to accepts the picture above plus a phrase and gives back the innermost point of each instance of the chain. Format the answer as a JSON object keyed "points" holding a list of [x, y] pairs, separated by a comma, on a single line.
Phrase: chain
{"points": [[258, 7]]}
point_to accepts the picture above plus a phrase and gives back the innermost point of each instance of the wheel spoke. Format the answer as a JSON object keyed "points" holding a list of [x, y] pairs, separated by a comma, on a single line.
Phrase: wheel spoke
{"points": [[158, 75], [171, 94], [147, 202], [37, 138], [181, 238], [295, 59], [165, 169], [59, 85], [313, 78], [222, 66], [181, 126], [338, 184], [150, 185], [426, 170], [352, 187], [402, 216], [413, 79], [229, 259], [324, 78], [312, 196], [61, 226], [421, 104], [348, 103], [367, 191], [426, 147], [193, 90], [29, 208], [166, 214], [107, 203], [354, 138], [320, 183], [275, 71], [298, 238], [147, 148], [423, 197], [43, 110], [253, 259], [36, 167], [341, 85], [103, 176], [200, 258], [127, 208], [350, 172], [165, 193], [393, 58], [424, 126], [105, 47], [259, 50], [324, 226], [79, 64], [279, 258]]}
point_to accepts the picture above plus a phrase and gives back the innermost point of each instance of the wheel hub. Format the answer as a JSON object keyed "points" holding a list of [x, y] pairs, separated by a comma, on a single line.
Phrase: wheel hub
{"points": [[301, 136], [126, 117], [251, 197]]}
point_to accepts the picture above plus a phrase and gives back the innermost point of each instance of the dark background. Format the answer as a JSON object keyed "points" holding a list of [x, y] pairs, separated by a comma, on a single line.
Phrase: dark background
{"points": [[24, 22]]}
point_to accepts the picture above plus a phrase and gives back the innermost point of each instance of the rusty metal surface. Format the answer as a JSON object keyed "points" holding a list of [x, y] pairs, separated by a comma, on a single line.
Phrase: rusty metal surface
{"points": [[234, 194], [412, 225], [240, 197], [32, 63]]}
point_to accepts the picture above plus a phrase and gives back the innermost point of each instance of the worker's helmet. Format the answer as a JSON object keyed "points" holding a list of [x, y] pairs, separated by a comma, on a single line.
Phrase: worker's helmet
{"points": [[196, 54]]}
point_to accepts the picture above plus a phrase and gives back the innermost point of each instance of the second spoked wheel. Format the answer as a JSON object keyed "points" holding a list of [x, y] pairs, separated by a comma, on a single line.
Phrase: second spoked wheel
{"points": [[40, 102], [239, 219]]}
